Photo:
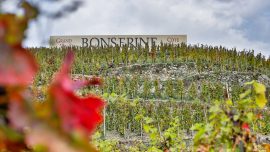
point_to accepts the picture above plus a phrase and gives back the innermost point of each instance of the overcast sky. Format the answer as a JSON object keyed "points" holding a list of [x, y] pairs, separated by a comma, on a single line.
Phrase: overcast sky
{"points": [[231, 23]]}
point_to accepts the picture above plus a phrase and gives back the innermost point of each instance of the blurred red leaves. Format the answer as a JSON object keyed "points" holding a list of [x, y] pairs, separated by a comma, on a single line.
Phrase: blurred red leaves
{"points": [[17, 66], [17, 71], [76, 113]]}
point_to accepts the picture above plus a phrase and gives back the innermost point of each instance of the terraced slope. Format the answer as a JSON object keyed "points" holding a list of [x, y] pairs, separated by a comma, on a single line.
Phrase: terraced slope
{"points": [[163, 83]]}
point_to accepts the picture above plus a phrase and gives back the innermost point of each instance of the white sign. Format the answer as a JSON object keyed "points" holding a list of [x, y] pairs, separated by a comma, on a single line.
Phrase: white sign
{"points": [[116, 40]]}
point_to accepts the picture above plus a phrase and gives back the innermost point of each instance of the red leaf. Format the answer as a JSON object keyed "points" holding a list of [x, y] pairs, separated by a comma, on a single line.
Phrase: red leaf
{"points": [[74, 112], [17, 66], [18, 116]]}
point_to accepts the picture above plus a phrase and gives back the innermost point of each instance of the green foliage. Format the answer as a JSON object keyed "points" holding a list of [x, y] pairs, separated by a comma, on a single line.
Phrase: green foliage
{"points": [[169, 139], [105, 145], [231, 123]]}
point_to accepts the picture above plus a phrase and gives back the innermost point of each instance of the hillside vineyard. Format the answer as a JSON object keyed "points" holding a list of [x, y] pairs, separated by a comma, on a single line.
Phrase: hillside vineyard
{"points": [[161, 82]]}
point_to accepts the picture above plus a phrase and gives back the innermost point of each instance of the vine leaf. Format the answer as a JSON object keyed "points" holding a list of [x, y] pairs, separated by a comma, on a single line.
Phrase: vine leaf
{"points": [[76, 113], [261, 100], [260, 94], [259, 88]]}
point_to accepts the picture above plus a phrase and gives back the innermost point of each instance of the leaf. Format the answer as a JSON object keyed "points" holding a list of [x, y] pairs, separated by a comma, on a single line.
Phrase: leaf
{"points": [[18, 115], [259, 88], [243, 95], [148, 120], [260, 91], [53, 142], [17, 67], [229, 102], [146, 128], [236, 117], [215, 109], [76, 113], [153, 136], [138, 117], [261, 100], [250, 116], [40, 148], [197, 126], [10, 134], [249, 83], [199, 134], [113, 95], [106, 95]]}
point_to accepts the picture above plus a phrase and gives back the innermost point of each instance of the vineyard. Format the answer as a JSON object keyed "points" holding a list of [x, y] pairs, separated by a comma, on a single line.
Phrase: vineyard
{"points": [[167, 98], [152, 92]]}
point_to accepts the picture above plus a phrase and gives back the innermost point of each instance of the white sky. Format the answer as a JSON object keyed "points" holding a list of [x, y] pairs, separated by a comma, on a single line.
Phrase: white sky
{"points": [[244, 24]]}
